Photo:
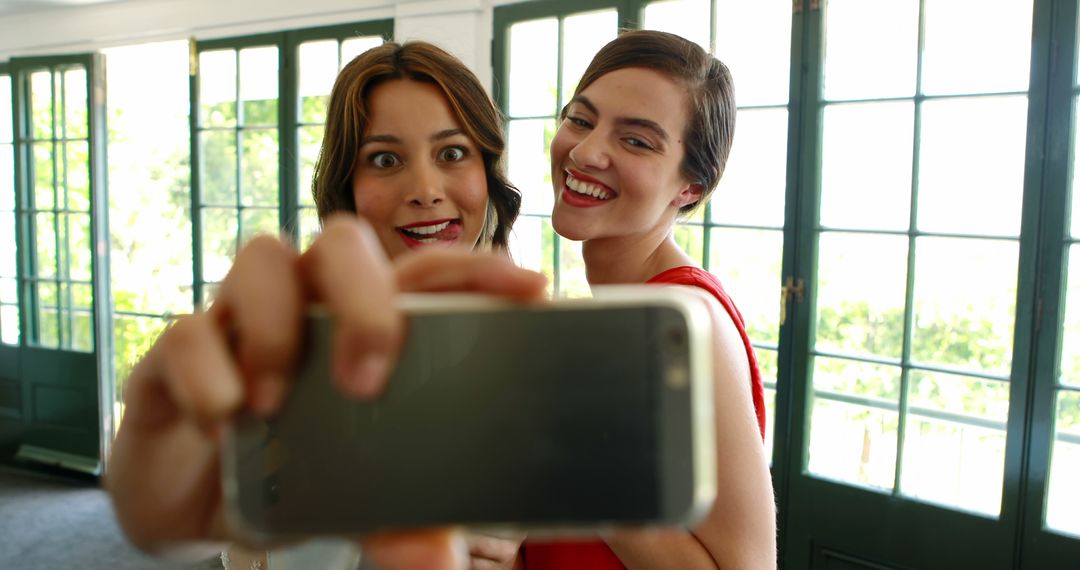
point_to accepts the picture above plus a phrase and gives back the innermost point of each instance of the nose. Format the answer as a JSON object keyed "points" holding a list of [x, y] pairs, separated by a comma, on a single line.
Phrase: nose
{"points": [[591, 151], [426, 187]]}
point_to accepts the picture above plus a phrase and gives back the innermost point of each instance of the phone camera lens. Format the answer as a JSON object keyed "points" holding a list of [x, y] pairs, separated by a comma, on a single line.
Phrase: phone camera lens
{"points": [[676, 336]]}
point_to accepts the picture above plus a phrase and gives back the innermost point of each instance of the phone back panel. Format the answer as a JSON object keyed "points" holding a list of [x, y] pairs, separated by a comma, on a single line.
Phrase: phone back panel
{"points": [[521, 417]]}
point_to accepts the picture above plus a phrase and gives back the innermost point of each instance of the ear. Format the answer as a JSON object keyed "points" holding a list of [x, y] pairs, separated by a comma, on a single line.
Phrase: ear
{"points": [[688, 196]]}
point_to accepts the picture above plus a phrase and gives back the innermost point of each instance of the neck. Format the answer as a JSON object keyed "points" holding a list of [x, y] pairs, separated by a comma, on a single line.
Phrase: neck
{"points": [[631, 259]]}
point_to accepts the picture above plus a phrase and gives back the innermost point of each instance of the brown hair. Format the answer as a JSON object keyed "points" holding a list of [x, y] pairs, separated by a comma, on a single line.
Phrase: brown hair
{"points": [[710, 125], [347, 119]]}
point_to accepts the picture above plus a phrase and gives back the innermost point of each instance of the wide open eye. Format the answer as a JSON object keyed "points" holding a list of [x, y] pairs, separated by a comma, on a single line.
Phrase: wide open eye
{"points": [[453, 154], [385, 160]]}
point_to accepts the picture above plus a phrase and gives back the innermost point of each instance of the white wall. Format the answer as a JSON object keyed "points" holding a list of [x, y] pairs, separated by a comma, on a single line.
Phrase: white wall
{"points": [[463, 27]]}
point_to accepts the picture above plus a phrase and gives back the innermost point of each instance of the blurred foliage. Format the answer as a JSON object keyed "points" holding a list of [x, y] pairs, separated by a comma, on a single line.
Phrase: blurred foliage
{"points": [[962, 343]]}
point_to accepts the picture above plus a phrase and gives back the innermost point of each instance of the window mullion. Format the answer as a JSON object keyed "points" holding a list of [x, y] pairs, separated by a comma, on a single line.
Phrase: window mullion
{"points": [[288, 135], [913, 233], [238, 135]]}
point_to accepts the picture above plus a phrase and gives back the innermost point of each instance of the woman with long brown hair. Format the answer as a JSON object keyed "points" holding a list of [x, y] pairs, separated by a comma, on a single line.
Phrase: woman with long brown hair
{"points": [[411, 160]]}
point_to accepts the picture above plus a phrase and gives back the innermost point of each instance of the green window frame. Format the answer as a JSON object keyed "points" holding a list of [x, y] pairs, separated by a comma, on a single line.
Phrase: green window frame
{"points": [[9, 297], [52, 148], [55, 390], [702, 234], [823, 520], [288, 126]]}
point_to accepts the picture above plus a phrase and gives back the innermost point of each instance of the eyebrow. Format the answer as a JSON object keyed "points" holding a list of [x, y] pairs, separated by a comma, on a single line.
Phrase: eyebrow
{"points": [[441, 135], [630, 121]]}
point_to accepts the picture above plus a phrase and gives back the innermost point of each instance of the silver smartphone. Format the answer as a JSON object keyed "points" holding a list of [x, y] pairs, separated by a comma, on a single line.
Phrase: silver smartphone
{"points": [[556, 418]]}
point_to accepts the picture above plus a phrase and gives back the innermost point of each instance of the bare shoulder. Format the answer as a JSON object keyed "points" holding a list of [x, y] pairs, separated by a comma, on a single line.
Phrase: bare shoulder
{"points": [[729, 353]]}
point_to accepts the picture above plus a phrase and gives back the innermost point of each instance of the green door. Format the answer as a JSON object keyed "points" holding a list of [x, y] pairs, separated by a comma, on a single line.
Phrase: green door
{"points": [[54, 410]]}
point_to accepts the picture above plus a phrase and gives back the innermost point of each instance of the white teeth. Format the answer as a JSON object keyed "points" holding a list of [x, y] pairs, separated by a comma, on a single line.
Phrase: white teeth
{"points": [[587, 188], [427, 230]]}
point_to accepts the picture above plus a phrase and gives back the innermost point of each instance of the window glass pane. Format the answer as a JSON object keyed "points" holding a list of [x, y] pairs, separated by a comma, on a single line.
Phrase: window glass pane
{"points": [[45, 245], [149, 183], [530, 247], [43, 176], [258, 221], [6, 132], [9, 324], [7, 244], [82, 332], [1070, 328], [260, 167], [309, 227], [748, 264], [9, 310], [82, 295], [533, 67], [686, 18], [840, 376], [75, 104], [218, 159], [583, 36], [866, 165], [77, 165], [78, 234], [994, 55], [1063, 492], [218, 242], [7, 177], [1075, 186], [41, 104], [767, 366], [971, 177], [861, 294], [951, 462], [754, 40], [47, 316], [528, 163], [259, 85], [691, 239], [353, 47], [8, 291], [751, 191], [976, 398], [965, 323], [572, 281], [132, 336], [871, 49], [217, 88], [310, 141], [850, 442], [318, 69]]}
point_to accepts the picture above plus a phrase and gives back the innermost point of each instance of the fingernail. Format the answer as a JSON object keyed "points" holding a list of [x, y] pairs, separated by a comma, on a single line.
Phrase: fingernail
{"points": [[461, 552], [368, 374]]}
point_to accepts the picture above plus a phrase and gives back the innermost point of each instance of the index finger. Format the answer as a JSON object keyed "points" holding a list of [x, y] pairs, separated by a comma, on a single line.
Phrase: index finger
{"points": [[417, 550], [458, 270], [346, 270]]}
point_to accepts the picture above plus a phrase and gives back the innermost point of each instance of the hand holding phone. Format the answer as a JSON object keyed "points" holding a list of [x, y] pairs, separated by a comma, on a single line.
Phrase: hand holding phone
{"points": [[567, 417]]}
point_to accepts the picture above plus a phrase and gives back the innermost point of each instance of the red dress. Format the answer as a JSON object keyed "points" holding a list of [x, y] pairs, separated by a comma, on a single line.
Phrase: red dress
{"points": [[595, 554]]}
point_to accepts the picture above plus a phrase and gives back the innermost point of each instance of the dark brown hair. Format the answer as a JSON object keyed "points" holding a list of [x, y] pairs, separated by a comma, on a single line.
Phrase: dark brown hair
{"points": [[347, 119], [710, 124]]}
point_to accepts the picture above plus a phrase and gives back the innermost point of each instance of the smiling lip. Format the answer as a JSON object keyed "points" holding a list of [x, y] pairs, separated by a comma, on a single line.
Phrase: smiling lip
{"points": [[578, 199], [427, 233]]}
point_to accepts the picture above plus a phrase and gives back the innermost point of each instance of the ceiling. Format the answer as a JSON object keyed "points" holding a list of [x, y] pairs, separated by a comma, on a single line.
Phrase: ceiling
{"points": [[10, 7]]}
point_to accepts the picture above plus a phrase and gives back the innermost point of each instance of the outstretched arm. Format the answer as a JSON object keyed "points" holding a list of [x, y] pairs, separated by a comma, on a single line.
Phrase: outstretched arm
{"points": [[740, 530]]}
